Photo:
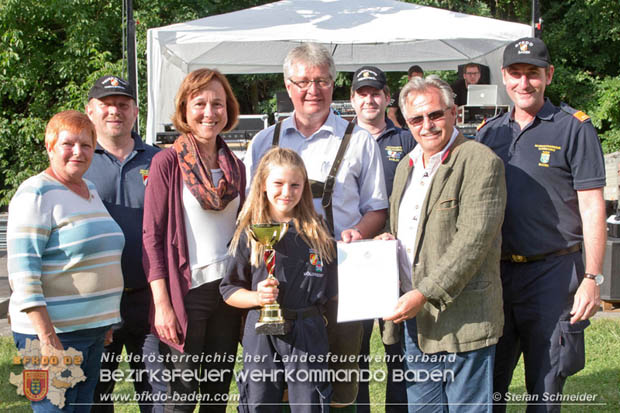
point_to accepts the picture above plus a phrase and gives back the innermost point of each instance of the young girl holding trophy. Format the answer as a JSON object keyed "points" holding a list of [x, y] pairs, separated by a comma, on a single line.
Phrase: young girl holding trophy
{"points": [[285, 343]]}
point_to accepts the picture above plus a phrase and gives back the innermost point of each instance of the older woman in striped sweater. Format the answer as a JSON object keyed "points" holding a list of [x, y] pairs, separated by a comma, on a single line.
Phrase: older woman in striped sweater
{"points": [[64, 253]]}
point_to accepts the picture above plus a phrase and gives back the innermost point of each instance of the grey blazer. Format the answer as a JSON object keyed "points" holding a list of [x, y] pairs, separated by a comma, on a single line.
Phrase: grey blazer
{"points": [[458, 248]]}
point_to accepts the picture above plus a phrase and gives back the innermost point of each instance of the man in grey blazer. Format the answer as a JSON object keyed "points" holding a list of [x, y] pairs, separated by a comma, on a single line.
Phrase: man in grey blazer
{"points": [[446, 209]]}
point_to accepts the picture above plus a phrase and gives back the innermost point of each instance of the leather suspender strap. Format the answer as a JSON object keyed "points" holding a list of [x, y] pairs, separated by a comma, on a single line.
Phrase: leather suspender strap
{"points": [[328, 189], [328, 186], [275, 141]]}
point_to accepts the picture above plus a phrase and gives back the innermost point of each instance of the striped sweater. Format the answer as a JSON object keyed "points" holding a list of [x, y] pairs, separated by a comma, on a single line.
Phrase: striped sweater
{"points": [[64, 252]]}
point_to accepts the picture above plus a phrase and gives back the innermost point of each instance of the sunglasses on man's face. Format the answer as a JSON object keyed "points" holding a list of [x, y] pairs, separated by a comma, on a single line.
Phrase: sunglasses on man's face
{"points": [[433, 116]]}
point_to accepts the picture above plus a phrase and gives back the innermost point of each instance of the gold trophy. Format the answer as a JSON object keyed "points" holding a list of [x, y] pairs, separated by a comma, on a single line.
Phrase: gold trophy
{"points": [[270, 321]]}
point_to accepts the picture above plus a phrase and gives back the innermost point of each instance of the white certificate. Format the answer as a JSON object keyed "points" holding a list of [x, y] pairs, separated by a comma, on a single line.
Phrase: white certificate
{"points": [[367, 280]]}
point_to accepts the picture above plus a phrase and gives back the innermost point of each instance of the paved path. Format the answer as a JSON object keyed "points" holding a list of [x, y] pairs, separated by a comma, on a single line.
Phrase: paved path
{"points": [[5, 293]]}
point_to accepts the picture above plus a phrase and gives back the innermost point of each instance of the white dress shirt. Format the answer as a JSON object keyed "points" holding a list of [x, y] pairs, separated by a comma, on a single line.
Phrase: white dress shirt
{"points": [[420, 179]]}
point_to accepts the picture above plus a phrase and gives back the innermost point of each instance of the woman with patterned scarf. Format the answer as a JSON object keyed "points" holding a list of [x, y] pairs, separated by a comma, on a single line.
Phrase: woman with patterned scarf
{"points": [[195, 190]]}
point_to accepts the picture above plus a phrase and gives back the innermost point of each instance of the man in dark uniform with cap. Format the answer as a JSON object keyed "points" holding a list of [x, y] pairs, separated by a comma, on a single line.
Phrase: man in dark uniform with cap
{"points": [[119, 170], [370, 96], [555, 176]]}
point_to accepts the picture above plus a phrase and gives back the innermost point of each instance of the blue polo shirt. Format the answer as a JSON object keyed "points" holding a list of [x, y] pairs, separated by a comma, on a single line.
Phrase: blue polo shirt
{"points": [[121, 187], [395, 143], [546, 162]]}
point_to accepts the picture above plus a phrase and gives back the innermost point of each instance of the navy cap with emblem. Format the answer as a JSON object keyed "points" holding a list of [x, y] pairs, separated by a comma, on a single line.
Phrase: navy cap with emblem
{"points": [[368, 76], [110, 85], [528, 50]]}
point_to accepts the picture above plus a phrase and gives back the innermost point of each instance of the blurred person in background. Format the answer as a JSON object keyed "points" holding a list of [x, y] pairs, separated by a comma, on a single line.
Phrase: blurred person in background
{"points": [[393, 111]]}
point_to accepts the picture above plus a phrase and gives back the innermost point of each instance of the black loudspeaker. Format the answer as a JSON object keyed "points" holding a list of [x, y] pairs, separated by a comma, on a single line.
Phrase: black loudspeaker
{"points": [[610, 289]]}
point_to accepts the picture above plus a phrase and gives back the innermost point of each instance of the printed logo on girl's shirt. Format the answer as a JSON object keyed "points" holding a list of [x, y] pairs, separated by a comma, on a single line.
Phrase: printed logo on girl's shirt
{"points": [[316, 265]]}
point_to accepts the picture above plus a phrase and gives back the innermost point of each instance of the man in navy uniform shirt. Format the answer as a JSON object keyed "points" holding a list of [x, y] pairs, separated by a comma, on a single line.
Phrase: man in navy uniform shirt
{"points": [[119, 170], [370, 96], [555, 176]]}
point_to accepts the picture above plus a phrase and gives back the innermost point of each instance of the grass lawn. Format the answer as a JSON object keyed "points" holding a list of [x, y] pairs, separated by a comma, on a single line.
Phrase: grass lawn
{"points": [[600, 378]]}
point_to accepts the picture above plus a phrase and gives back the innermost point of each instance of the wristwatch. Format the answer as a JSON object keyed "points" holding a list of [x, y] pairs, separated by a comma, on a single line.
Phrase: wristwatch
{"points": [[598, 278]]}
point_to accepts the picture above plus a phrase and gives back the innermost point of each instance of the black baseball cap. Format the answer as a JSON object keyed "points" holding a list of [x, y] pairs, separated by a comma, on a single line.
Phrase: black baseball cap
{"points": [[368, 76], [110, 85], [527, 50]]}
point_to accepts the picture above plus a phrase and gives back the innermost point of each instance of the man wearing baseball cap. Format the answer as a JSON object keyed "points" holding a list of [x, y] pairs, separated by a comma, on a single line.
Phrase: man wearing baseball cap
{"points": [[370, 96], [555, 175], [119, 170]]}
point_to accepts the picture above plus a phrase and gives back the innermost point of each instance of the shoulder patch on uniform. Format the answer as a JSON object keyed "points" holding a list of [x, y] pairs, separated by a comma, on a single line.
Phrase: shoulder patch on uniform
{"points": [[577, 114], [581, 116], [486, 121]]}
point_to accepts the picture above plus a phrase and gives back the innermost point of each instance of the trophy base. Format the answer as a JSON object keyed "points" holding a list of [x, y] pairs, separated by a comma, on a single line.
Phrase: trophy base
{"points": [[272, 329]]}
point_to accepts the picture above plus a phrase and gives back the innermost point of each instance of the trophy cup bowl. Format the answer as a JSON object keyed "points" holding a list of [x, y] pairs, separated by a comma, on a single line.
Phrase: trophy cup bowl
{"points": [[270, 321]]}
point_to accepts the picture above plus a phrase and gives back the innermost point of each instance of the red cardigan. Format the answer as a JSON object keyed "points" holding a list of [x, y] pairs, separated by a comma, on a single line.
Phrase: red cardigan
{"points": [[164, 240]]}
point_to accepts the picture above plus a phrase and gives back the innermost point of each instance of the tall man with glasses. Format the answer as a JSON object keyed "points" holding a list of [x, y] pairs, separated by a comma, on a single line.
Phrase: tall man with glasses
{"points": [[355, 208], [446, 209]]}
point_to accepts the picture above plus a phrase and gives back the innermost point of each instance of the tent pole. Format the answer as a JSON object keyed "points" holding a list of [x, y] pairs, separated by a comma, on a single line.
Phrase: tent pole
{"points": [[132, 69], [536, 20]]}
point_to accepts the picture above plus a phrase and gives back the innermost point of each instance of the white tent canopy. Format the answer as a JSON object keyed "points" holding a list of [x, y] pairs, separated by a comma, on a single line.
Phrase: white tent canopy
{"points": [[389, 34]]}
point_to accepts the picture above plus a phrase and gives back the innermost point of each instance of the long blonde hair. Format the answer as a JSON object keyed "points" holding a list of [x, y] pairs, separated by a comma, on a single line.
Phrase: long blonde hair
{"points": [[308, 223]]}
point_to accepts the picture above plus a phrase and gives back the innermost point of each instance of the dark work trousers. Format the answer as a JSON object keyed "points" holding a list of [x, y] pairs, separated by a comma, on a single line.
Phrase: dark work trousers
{"points": [[142, 349], [212, 335], [294, 359], [538, 297], [395, 391]]}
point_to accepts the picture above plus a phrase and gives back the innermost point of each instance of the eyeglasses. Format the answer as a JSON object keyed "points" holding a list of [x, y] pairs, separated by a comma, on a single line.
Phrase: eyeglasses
{"points": [[305, 84], [472, 73], [433, 116]]}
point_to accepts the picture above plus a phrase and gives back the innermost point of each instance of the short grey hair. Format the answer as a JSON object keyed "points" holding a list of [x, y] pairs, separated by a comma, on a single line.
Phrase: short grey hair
{"points": [[313, 55], [422, 85]]}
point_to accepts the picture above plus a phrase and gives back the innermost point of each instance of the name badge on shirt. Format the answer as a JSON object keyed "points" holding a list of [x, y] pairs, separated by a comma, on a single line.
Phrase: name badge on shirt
{"points": [[545, 154], [394, 153]]}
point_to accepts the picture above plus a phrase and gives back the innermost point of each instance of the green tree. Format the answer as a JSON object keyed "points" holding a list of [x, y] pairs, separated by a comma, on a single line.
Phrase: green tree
{"points": [[49, 52], [583, 37], [52, 51]]}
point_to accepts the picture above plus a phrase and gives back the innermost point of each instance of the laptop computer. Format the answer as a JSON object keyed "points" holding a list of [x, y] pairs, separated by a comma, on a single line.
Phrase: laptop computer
{"points": [[481, 95]]}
